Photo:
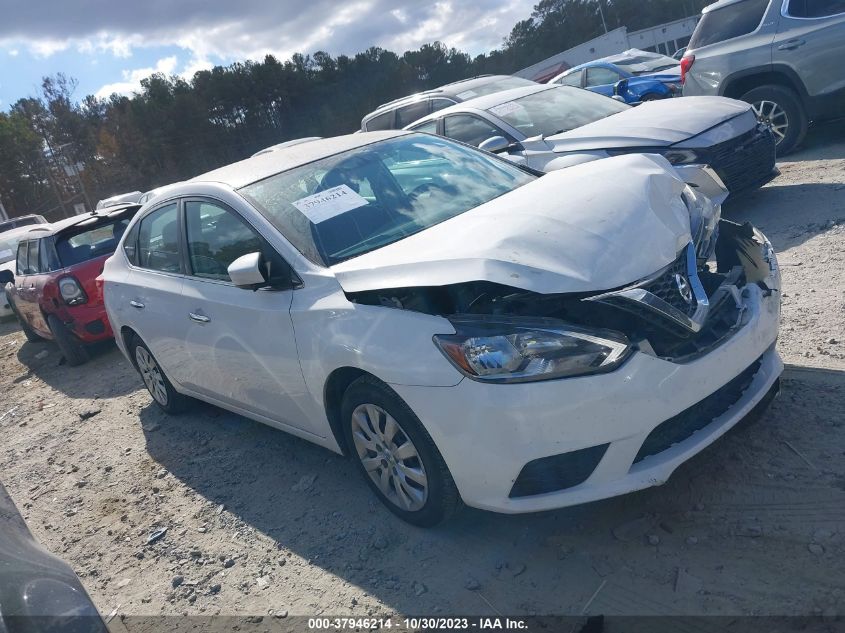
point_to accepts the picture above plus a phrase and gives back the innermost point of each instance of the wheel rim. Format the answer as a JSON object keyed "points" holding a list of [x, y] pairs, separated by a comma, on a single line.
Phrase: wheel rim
{"points": [[774, 117], [152, 375], [389, 457]]}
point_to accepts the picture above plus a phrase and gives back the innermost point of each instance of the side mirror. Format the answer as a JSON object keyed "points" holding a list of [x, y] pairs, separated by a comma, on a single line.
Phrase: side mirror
{"points": [[495, 144], [245, 272], [620, 87], [6, 277]]}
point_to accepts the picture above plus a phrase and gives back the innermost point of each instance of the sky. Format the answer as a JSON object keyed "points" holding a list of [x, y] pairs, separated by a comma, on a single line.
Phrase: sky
{"points": [[110, 45]]}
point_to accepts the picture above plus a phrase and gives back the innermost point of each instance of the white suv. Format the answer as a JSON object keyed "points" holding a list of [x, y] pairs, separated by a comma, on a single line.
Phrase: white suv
{"points": [[462, 327]]}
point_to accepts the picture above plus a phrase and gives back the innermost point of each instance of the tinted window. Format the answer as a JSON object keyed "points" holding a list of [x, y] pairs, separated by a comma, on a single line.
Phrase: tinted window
{"points": [[216, 238], [496, 85], [440, 103], [21, 259], [572, 79], [90, 240], [556, 110], [470, 129], [728, 22], [815, 8], [602, 76], [428, 126], [32, 265], [410, 113], [158, 240], [362, 199], [380, 122]]}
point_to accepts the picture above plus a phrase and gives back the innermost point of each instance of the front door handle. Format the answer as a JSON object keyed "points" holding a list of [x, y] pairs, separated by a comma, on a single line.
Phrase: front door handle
{"points": [[137, 304], [791, 45], [199, 318]]}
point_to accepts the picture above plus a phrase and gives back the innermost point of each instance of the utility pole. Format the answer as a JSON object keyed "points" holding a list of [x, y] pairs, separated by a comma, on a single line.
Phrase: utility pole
{"points": [[601, 13], [3, 214]]}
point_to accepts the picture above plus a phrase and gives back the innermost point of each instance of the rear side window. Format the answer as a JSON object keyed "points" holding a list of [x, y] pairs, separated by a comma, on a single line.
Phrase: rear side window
{"points": [[23, 248], [429, 127], [731, 21], [410, 113], [815, 8], [216, 238], [158, 240], [380, 122], [32, 266]]}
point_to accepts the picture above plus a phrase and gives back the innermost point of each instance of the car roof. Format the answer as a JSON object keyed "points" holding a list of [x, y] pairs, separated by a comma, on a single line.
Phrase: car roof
{"points": [[624, 56], [447, 90], [54, 228], [263, 166], [22, 230], [488, 101]]}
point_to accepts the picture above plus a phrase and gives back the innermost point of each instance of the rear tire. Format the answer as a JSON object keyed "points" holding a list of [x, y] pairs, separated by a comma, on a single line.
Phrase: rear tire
{"points": [[74, 352], [778, 106], [157, 383], [403, 466], [30, 334]]}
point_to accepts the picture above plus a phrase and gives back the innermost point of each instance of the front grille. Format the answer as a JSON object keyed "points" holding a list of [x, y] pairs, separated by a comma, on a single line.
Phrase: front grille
{"points": [[666, 288], [745, 162], [558, 472], [687, 422]]}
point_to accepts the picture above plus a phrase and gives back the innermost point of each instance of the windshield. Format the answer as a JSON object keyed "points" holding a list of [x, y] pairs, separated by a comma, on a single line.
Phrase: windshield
{"points": [[9, 247], [642, 64], [556, 110], [93, 238], [497, 85], [360, 200]]}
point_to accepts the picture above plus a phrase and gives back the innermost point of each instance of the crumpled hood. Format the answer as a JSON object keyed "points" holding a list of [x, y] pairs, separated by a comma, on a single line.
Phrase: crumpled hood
{"points": [[592, 227], [652, 124]]}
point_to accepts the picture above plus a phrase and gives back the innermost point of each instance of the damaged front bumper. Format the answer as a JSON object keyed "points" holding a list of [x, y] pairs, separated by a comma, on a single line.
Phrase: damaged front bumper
{"points": [[544, 445]]}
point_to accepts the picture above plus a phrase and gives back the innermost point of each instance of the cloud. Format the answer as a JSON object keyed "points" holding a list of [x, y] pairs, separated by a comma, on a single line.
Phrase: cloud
{"points": [[249, 29], [132, 78]]}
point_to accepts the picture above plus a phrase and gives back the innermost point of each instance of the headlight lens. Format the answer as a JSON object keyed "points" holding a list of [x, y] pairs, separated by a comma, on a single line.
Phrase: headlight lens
{"points": [[511, 351], [704, 220], [71, 291], [674, 156]]}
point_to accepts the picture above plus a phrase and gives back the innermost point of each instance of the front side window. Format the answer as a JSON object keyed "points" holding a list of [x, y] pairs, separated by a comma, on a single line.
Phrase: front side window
{"points": [[158, 240], [728, 22], [8, 249], [572, 79], [556, 110], [600, 76], [815, 8], [497, 85], [469, 129], [216, 238], [366, 198]]}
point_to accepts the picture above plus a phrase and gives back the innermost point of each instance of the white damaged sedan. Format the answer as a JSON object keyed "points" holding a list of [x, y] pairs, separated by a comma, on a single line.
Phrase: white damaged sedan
{"points": [[463, 328]]}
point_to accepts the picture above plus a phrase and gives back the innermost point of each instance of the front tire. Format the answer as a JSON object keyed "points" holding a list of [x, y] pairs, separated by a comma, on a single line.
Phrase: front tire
{"points": [[70, 346], [781, 109], [396, 455], [157, 383]]}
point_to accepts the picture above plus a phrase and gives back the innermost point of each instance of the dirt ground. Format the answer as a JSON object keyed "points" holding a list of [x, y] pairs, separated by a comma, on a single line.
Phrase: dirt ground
{"points": [[259, 522]]}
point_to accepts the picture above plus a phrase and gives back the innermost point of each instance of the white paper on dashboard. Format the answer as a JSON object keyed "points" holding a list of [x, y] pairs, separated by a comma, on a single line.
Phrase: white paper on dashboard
{"points": [[507, 108], [330, 203]]}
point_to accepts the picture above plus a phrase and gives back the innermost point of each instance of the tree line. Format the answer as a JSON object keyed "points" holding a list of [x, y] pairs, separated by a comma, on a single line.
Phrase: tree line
{"points": [[57, 151]]}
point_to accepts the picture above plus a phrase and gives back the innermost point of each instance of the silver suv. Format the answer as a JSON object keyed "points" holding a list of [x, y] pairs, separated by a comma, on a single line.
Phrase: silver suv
{"points": [[782, 56]]}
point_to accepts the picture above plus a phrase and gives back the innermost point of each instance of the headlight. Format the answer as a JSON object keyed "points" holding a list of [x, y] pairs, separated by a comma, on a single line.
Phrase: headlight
{"points": [[674, 156], [704, 220], [502, 350], [71, 291]]}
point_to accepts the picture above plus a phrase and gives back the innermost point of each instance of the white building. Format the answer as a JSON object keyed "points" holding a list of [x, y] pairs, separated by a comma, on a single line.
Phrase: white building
{"points": [[664, 38]]}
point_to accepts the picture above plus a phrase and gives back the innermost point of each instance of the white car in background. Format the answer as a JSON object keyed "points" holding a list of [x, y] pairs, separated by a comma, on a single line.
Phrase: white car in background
{"points": [[463, 328], [553, 127]]}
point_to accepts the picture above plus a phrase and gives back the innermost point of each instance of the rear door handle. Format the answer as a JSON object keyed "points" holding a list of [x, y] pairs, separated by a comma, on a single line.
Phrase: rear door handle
{"points": [[791, 45], [199, 318], [137, 304]]}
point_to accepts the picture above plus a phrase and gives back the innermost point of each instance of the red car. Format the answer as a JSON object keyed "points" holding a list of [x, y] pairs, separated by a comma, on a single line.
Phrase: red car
{"points": [[54, 293]]}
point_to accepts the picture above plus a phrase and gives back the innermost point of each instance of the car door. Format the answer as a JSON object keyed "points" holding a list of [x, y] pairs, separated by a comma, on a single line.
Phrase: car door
{"points": [[241, 342], [40, 276], [19, 295], [601, 79], [26, 300], [150, 297], [811, 40]]}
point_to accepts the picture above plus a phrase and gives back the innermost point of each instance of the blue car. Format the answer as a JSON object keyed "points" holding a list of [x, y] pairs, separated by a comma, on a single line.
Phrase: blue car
{"points": [[634, 75]]}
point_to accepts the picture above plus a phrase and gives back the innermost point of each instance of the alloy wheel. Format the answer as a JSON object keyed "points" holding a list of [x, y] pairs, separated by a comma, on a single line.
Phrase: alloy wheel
{"points": [[774, 116], [389, 457], [152, 375]]}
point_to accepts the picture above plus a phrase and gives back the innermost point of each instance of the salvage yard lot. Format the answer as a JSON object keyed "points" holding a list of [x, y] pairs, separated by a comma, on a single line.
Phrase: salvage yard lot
{"points": [[258, 520]]}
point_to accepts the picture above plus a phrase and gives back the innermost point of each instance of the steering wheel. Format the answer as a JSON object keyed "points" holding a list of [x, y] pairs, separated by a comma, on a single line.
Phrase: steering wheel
{"points": [[427, 187]]}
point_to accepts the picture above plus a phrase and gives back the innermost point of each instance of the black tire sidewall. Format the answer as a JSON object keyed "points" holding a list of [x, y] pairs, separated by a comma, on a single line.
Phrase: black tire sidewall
{"points": [[176, 402], [74, 353], [791, 104], [442, 494]]}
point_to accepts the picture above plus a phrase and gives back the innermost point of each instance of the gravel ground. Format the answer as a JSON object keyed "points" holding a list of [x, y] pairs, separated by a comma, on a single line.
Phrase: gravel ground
{"points": [[259, 522]]}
